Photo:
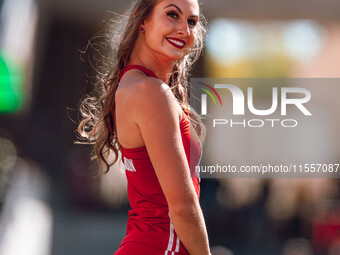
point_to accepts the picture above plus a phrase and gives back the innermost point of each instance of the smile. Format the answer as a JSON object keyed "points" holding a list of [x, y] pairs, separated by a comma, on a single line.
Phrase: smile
{"points": [[176, 42]]}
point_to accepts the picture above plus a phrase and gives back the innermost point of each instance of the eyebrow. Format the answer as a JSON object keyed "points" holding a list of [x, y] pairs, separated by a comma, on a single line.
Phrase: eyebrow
{"points": [[179, 9]]}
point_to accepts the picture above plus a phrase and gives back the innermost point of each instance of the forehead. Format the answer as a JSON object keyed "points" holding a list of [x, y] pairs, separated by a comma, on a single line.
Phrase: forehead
{"points": [[190, 7]]}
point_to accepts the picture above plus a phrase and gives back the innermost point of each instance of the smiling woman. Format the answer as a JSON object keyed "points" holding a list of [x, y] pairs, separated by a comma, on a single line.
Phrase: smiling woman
{"points": [[143, 113]]}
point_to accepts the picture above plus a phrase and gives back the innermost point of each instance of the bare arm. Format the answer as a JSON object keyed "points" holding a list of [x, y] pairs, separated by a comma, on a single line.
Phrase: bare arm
{"points": [[156, 113]]}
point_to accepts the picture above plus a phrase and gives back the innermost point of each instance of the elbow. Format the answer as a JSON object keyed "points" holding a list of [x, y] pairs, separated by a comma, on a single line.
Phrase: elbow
{"points": [[185, 209]]}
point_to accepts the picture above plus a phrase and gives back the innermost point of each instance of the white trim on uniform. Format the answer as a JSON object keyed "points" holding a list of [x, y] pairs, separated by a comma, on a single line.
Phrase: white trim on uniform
{"points": [[171, 237], [171, 240], [177, 244]]}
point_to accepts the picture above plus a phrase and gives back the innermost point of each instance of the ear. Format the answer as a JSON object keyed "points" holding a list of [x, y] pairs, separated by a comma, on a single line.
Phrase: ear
{"points": [[134, 13]]}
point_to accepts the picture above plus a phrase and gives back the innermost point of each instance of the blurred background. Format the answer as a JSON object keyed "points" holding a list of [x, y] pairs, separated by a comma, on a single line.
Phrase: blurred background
{"points": [[50, 202]]}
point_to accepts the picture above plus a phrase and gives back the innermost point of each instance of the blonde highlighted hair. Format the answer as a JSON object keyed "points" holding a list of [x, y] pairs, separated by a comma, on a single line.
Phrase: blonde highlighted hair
{"points": [[97, 124]]}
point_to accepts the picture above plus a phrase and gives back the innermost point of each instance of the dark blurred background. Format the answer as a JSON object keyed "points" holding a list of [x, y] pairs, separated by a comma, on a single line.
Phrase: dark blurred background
{"points": [[50, 202]]}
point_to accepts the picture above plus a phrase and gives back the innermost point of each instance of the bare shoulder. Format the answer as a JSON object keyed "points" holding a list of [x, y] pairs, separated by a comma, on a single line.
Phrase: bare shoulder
{"points": [[147, 96]]}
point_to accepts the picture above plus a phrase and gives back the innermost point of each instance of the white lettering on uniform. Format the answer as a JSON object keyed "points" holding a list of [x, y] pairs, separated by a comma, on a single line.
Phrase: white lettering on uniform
{"points": [[128, 163]]}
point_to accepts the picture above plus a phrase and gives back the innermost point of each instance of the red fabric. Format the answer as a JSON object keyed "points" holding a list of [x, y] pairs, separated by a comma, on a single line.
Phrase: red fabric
{"points": [[135, 248], [149, 222], [142, 68], [326, 230]]}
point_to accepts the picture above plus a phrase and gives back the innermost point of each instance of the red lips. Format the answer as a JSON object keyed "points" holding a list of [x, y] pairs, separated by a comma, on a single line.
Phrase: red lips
{"points": [[178, 43]]}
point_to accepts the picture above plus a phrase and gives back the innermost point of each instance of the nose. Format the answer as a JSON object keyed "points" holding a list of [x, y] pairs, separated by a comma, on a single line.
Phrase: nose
{"points": [[184, 28]]}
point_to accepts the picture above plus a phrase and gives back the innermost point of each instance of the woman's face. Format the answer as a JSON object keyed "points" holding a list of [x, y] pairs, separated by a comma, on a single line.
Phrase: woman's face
{"points": [[170, 29]]}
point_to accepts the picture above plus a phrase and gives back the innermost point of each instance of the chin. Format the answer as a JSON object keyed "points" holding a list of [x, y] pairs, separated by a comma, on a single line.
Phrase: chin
{"points": [[175, 56]]}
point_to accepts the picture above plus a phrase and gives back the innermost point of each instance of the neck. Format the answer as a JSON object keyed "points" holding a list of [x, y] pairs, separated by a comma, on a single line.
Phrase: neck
{"points": [[161, 66]]}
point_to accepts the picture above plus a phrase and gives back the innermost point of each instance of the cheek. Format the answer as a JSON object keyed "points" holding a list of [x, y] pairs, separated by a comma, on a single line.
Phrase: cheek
{"points": [[161, 22], [192, 38], [166, 28], [158, 30]]}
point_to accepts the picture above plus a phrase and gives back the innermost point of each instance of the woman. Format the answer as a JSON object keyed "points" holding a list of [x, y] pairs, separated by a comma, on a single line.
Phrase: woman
{"points": [[144, 114]]}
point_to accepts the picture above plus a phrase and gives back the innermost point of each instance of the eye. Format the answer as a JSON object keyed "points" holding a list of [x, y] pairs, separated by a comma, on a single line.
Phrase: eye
{"points": [[192, 22], [172, 14]]}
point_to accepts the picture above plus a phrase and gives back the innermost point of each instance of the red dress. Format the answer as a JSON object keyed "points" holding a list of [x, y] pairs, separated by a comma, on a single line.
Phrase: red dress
{"points": [[149, 227]]}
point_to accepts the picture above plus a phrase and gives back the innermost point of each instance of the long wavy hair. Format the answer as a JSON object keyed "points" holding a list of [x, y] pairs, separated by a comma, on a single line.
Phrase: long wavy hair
{"points": [[97, 124]]}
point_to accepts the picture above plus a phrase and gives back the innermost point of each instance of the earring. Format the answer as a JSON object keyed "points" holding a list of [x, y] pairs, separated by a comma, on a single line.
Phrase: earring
{"points": [[142, 29]]}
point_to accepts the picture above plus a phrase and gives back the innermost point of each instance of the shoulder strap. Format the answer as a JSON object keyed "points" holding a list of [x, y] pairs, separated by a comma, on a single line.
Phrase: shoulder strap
{"points": [[142, 68]]}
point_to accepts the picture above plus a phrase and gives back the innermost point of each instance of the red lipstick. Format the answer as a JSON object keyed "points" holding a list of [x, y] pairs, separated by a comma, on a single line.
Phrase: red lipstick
{"points": [[176, 42]]}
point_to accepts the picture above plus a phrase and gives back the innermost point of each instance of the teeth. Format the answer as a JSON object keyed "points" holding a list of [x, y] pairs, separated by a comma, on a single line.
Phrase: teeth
{"points": [[176, 42]]}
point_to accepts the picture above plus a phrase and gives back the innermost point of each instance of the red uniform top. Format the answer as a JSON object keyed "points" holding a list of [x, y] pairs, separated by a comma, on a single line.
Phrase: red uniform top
{"points": [[149, 221]]}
